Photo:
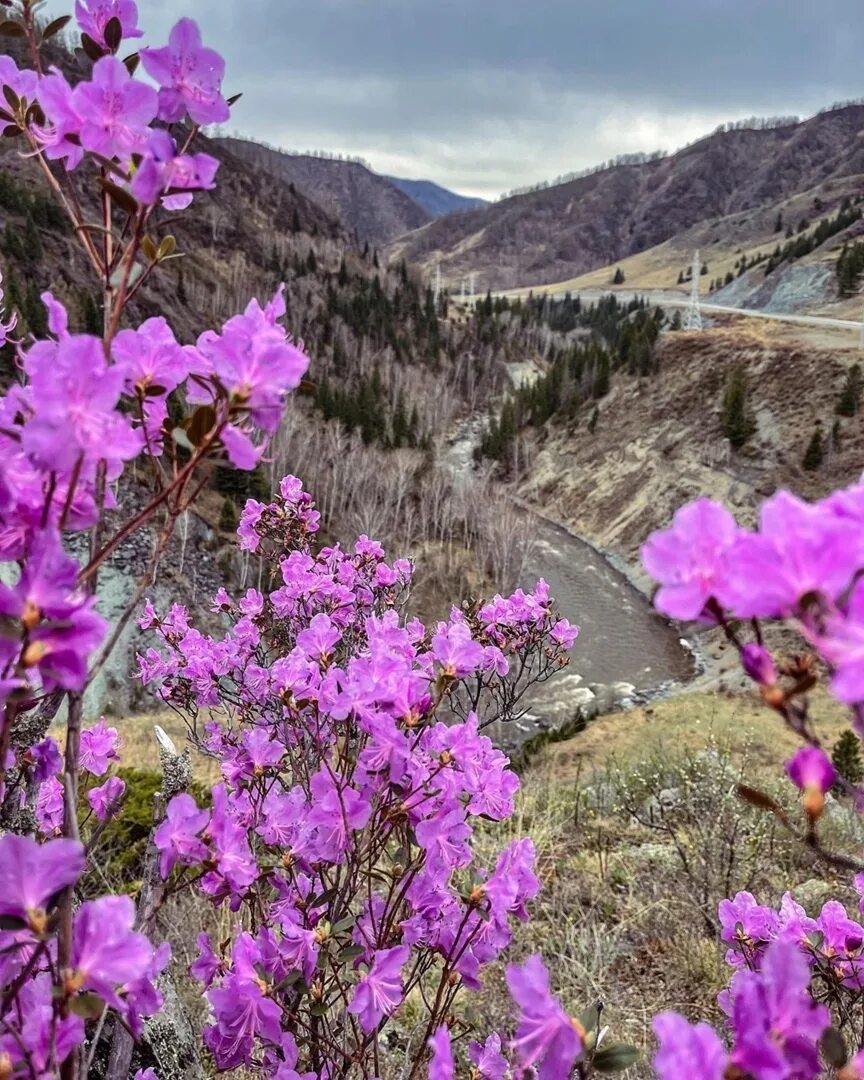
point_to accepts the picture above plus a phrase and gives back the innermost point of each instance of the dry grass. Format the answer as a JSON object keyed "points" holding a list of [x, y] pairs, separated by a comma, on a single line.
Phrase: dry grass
{"points": [[691, 721]]}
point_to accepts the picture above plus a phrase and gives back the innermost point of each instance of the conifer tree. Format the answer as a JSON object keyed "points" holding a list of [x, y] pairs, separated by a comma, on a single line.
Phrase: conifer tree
{"points": [[618, 279], [815, 452], [737, 419], [846, 756], [850, 395]]}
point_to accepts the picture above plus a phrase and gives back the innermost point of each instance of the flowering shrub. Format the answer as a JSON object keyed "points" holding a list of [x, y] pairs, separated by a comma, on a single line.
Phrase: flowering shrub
{"points": [[342, 829], [801, 569], [82, 409]]}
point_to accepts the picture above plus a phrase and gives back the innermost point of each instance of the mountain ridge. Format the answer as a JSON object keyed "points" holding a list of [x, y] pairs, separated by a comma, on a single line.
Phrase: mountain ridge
{"points": [[568, 229]]}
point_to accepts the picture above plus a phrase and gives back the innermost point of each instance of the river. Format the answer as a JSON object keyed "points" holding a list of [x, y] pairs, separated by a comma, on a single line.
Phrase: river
{"points": [[622, 640]]}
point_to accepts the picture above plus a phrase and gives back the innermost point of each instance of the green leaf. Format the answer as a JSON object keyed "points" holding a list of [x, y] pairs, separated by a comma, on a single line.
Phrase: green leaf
{"points": [[324, 898], [615, 1058], [167, 246], [589, 1018], [834, 1048], [319, 1009], [149, 249], [122, 197], [89, 1006], [55, 27], [200, 424], [343, 924], [113, 33], [154, 390], [12, 99], [351, 952], [11, 132], [12, 29], [131, 63]]}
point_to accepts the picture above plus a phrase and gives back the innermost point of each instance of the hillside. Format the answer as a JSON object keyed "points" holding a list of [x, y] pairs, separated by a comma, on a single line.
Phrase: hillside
{"points": [[372, 209], [658, 441], [561, 232], [434, 199]]}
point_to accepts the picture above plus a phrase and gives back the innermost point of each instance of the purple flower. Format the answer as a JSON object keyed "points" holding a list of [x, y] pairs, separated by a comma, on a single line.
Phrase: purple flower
{"points": [[379, 992], [59, 137], [487, 1057], [800, 551], [842, 645], [455, 649], [689, 559], [50, 807], [758, 664], [105, 800], [441, 1064], [162, 168], [177, 837], [336, 814], [564, 634], [21, 81], [811, 771], [74, 394], [242, 1012], [546, 1038], [207, 964], [776, 1022], [45, 758], [31, 873], [94, 15], [317, 642], [99, 748], [115, 109], [686, 1050], [107, 952], [189, 76]]}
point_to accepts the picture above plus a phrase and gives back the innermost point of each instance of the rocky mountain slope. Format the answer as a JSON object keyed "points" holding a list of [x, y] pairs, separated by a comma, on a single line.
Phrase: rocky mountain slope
{"points": [[372, 209], [434, 199], [568, 229]]}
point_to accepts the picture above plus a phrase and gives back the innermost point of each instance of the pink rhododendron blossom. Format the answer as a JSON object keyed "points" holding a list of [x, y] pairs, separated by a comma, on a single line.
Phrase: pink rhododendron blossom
{"points": [[189, 76], [115, 110], [441, 1064], [94, 15], [687, 1050], [32, 873], [178, 836], [379, 992], [99, 747], [546, 1038], [689, 559], [105, 800]]}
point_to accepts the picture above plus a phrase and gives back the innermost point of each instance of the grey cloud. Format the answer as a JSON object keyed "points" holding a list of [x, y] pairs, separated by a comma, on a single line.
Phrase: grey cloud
{"points": [[484, 96]]}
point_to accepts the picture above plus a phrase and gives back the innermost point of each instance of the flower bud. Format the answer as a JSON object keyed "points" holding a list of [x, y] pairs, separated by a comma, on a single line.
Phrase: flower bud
{"points": [[757, 662]]}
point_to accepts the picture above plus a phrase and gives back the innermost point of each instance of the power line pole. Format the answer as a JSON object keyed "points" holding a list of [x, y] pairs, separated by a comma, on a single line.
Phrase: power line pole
{"points": [[437, 285], [693, 314]]}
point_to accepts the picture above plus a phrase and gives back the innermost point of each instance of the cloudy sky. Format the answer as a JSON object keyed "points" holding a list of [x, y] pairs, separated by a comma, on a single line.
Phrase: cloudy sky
{"points": [[487, 95]]}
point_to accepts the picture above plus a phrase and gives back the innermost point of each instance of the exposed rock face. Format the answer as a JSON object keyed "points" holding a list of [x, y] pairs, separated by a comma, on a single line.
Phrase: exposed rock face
{"points": [[565, 230], [659, 442]]}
